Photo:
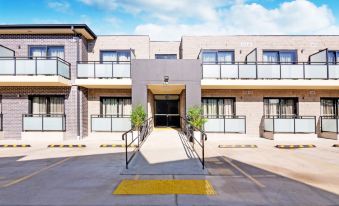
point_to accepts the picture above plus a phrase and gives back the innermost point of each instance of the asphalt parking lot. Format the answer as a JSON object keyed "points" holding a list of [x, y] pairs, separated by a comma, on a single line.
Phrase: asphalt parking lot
{"points": [[250, 176]]}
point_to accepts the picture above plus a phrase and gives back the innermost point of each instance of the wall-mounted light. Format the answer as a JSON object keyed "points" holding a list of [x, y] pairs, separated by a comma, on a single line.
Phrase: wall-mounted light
{"points": [[166, 79], [302, 51], [19, 46]]}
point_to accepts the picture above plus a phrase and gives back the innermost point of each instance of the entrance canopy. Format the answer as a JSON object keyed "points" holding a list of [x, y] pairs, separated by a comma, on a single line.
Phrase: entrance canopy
{"points": [[166, 89]]}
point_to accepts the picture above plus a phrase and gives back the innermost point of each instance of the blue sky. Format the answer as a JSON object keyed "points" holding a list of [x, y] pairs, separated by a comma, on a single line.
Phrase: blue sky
{"points": [[169, 19]]}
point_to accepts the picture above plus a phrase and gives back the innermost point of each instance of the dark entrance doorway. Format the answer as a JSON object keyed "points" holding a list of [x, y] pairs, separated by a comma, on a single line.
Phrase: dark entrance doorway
{"points": [[166, 111]]}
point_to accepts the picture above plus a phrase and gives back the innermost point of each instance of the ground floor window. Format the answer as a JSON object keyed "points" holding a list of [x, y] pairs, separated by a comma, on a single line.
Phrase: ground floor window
{"points": [[280, 107], [218, 107], [117, 106], [329, 106], [47, 104]]}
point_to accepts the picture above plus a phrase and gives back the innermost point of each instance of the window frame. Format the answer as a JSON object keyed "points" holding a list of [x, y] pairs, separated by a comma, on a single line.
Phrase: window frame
{"points": [[217, 56], [118, 98], [48, 103], [279, 109], [46, 47], [336, 56], [218, 115], [336, 108], [295, 51], [116, 51], [176, 56]]}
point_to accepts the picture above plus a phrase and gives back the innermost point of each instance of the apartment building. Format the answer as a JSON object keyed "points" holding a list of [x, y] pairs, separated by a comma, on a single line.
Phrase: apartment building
{"points": [[62, 82]]}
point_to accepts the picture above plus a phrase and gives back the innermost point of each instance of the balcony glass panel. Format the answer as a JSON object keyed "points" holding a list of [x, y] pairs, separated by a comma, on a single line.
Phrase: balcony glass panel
{"points": [[247, 71], [284, 125], [32, 124], [122, 70], [229, 71], [211, 71], [305, 125], [269, 71], [63, 69], [268, 125], [86, 70], [101, 124], [25, 66], [334, 71], [7, 66], [214, 125], [315, 71], [121, 124], [103, 70], [329, 125], [292, 71], [235, 125], [47, 66], [53, 123]]}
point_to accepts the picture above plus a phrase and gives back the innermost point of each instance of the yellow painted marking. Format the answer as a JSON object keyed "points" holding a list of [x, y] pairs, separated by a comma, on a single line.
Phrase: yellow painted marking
{"points": [[164, 187], [34, 173]]}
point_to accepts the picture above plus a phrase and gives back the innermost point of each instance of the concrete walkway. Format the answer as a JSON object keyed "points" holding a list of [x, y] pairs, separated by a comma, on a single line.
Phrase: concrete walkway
{"points": [[166, 151]]}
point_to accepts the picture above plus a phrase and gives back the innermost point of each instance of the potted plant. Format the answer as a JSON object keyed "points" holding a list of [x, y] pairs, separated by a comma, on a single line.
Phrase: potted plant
{"points": [[138, 117], [195, 118]]}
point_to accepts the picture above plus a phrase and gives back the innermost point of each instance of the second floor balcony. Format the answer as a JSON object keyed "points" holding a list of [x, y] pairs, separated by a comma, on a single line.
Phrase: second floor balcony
{"points": [[37, 71]]}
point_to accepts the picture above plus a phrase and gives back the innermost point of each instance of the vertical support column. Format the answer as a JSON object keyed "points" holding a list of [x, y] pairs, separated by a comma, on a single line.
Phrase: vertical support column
{"points": [[193, 95], [139, 95]]}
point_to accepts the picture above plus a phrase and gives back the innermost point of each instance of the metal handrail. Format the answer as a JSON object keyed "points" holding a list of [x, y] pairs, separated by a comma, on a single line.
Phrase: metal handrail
{"points": [[57, 59], [188, 130], [63, 116], [294, 117], [143, 133]]}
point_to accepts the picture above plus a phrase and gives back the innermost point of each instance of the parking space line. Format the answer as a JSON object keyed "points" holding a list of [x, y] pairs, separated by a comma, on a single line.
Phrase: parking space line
{"points": [[21, 179]]}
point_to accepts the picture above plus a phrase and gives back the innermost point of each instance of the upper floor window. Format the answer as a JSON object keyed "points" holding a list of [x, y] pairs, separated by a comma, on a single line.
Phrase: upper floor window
{"points": [[47, 104], [119, 107], [218, 56], [47, 51], [218, 107], [329, 106], [333, 57], [115, 56], [280, 57], [165, 56], [280, 107]]}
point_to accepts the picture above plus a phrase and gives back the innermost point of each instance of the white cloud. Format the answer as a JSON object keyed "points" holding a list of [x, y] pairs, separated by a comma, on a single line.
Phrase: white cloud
{"points": [[60, 6], [169, 20]]}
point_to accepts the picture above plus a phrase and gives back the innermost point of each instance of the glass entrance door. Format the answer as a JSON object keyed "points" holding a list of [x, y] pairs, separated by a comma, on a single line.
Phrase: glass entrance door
{"points": [[167, 111]]}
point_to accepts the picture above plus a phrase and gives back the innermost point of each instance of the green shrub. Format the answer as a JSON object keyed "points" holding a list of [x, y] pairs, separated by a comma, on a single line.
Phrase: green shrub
{"points": [[138, 116], [195, 117]]}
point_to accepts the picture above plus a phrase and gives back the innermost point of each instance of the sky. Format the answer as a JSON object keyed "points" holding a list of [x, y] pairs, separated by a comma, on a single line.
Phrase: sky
{"points": [[171, 19]]}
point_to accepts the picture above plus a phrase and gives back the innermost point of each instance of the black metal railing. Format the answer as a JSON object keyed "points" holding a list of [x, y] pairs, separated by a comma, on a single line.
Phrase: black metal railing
{"points": [[110, 123], [227, 126], [44, 122], [103, 69], [265, 70], [29, 66], [136, 142], [329, 124], [188, 130], [289, 124]]}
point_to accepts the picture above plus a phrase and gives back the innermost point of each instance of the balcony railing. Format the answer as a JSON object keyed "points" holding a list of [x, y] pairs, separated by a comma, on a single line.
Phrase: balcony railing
{"points": [[44, 122], [110, 123], [226, 124], [1, 121], [329, 124], [104, 70], [33, 66], [270, 71], [290, 124]]}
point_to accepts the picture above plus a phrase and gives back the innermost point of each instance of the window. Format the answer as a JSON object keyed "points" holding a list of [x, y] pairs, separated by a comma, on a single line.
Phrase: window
{"points": [[165, 56], [218, 56], [333, 57], [47, 105], [218, 107], [280, 107], [47, 51], [119, 107], [280, 57], [115, 56], [329, 106]]}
